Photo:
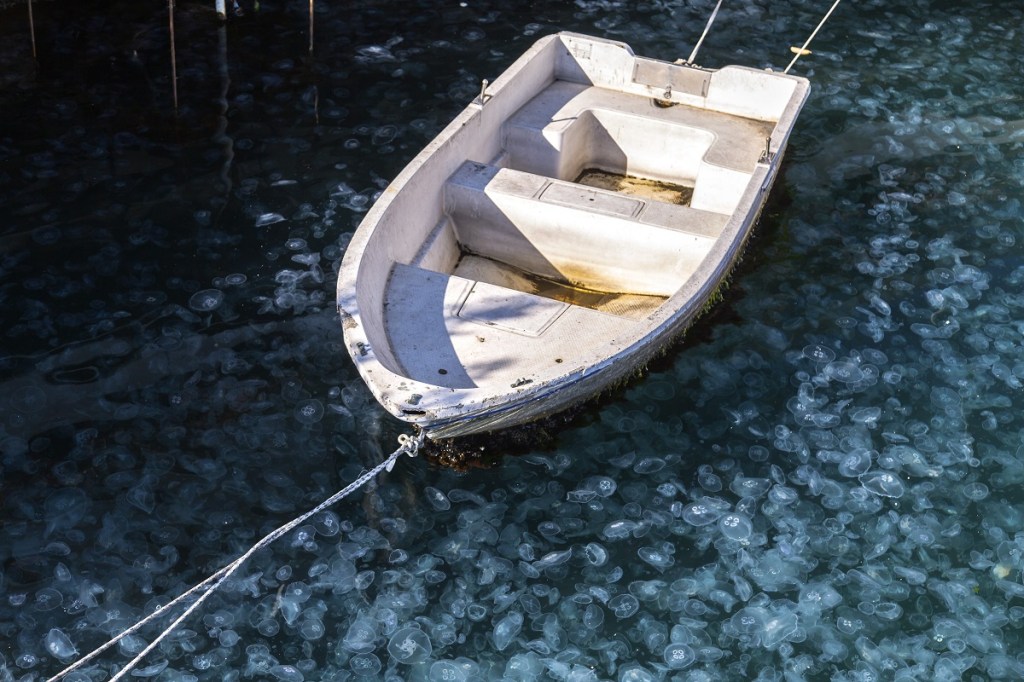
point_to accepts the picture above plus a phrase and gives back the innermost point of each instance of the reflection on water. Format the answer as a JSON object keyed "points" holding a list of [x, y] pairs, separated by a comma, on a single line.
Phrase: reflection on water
{"points": [[821, 485]]}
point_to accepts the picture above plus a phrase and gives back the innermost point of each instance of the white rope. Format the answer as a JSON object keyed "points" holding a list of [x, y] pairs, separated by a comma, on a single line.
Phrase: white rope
{"points": [[407, 445], [707, 27], [803, 48]]}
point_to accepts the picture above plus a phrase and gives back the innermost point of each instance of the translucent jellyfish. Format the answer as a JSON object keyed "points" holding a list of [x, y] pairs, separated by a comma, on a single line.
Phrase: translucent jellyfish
{"points": [[287, 673], [437, 499], [783, 495], [506, 629], [736, 526], [459, 495], [946, 398], [848, 625], [235, 279], [655, 557], [59, 645], [619, 530], [361, 635], [268, 627], [624, 460], [228, 638], [649, 465], [151, 670], [855, 462], [914, 576], [410, 645], [678, 656], [647, 590], [758, 453], [64, 509], [888, 610], [593, 616], [24, 660], [265, 219], [447, 671], [62, 573], [843, 370], [524, 667], [48, 598], [311, 629], [882, 483], [700, 514], [595, 554], [819, 353], [206, 300], [580, 496], [549, 529], [624, 605], [668, 490], [749, 620], [552, 559], [816, 597], [28, 399], [528, 570], [309, 411], [975, 491], [750, 487], [866, 415], [600, 485], [365, 665], [709, 480]]}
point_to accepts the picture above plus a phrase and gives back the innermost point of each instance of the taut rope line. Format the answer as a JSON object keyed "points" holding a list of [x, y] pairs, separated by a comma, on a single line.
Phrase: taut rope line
{"points": [[693, 54], [803, 48], [707, 27], [407, 445]]}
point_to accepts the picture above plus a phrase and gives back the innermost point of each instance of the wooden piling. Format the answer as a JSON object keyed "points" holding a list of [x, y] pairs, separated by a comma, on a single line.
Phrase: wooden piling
{"points": [[32, 29], [174, 61], [311, 26]]}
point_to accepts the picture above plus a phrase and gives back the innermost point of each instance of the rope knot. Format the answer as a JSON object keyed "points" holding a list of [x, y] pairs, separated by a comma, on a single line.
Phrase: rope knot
{"points": [[411, 444]]}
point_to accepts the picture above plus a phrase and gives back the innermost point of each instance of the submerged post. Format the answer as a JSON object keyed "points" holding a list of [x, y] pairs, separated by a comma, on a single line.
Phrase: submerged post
{"points": [[174, 64], [32, 29], [311, 26]]}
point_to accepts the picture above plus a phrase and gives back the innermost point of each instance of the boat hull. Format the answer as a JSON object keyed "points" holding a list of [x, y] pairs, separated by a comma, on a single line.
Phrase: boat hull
{"points": [[494, 283]]}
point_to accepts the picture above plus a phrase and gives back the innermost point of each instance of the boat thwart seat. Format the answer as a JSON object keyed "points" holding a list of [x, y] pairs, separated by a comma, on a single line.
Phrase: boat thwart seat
{"points": [[581, 236]]}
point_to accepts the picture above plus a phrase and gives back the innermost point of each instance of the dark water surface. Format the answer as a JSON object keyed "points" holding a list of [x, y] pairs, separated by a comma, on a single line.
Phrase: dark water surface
{"points": [[823, 482]]}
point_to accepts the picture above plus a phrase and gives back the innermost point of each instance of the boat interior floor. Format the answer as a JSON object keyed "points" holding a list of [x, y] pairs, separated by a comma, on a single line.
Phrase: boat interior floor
{"points": [[461, 333]]}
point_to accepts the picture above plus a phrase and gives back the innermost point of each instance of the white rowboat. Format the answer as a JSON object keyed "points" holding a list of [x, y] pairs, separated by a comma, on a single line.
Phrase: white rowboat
{"points": [[565, 227]]}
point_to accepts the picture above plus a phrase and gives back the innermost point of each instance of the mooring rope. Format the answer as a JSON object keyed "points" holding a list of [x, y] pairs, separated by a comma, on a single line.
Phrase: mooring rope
{"points": [[707, 27], [407, 445], [803, 48]]}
